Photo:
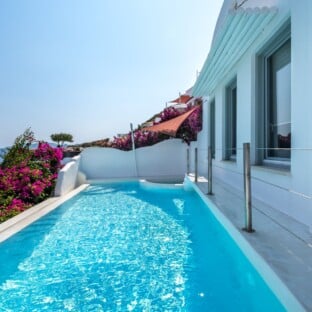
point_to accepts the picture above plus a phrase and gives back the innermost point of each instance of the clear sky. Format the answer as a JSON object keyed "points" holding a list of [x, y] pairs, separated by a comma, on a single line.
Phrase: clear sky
{"points": [[90, 67]]}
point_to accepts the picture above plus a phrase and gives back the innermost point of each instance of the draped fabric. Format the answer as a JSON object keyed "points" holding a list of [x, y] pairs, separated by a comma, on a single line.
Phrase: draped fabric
{"points": [[171, 127]]}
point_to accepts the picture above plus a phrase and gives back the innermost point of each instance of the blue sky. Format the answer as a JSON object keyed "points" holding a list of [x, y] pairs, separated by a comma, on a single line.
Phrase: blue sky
{"points": [[89, 68]]}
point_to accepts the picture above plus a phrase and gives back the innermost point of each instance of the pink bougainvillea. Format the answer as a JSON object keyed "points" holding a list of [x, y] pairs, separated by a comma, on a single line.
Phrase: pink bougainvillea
{"points": [[169, 113], [28, 178], [187, 132], [16, 204]]}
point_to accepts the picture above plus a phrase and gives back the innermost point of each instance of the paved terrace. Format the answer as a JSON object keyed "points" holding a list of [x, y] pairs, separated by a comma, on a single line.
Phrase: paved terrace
{"points": [[284, 243]]}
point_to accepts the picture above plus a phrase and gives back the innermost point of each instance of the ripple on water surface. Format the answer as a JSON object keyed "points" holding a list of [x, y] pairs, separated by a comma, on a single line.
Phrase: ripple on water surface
{"points": [[120, 248], [107, 250]]}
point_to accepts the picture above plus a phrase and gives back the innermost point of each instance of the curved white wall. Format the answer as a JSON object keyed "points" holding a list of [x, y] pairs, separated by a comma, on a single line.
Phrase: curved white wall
{"points": [[99, 163], [165, 160], [67, 177]]}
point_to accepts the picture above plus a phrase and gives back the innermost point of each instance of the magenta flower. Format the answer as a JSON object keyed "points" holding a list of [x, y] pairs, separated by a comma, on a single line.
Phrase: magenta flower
{"points": [[16, 204], [30, 181]]}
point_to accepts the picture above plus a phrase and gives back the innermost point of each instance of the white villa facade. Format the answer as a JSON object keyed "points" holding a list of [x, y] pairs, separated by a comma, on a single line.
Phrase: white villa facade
{"points": [[256, 87]]}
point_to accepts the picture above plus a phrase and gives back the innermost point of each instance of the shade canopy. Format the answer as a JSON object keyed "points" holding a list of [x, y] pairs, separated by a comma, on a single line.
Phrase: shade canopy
{"points": [[171, 127], [182, 99], [240, 30]]}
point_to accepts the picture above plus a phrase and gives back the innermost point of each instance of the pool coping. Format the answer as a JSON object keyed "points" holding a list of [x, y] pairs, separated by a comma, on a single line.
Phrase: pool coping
{"points": [[278, 287], [19, 222]]}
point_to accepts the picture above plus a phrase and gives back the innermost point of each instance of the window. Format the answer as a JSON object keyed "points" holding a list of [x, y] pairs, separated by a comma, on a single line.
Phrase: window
{"points": [[274, 108], [212, 128], [230, 122], [277, 109]]}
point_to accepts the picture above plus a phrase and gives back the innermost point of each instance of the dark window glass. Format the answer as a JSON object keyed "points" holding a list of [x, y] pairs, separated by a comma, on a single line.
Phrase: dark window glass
{"points": [[278, 108], [212, 128], [231, 120]]}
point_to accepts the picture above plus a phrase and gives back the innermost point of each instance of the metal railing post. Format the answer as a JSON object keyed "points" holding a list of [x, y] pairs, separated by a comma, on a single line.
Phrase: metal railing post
{"points": [[187, 161], [247, 188], [209, 171], [196, 165], [133, 149]]}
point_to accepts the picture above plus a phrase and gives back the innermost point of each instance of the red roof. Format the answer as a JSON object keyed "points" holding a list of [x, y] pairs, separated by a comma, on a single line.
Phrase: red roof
{"points": [[183, 99], [170, 127]]}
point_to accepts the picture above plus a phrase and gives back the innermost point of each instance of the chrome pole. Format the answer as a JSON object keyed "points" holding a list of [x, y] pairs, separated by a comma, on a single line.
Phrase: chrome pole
{"points": [[187, 161], [133, 148], [209, 171], [247, 188], [196, 165]]}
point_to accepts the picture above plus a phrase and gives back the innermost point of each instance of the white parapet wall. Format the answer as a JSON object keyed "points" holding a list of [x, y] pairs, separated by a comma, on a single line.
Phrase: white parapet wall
{"points": [[164, 161], [67, 177]]}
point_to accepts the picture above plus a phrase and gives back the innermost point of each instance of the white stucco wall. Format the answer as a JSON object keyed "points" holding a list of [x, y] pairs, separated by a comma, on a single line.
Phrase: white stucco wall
{"points": [[98, 163], [67, 177], [288, 191], [301, 112], [165, 160]]}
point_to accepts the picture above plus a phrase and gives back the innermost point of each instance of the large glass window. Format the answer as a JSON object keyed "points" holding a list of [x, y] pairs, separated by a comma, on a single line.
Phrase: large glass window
{"points": [[231, 123], [278, 103], [273, 110], [212, 128]]}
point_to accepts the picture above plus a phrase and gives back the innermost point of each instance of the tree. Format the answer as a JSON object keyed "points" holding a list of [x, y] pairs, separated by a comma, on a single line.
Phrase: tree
{"points": [[61, 138], [20, 149]]}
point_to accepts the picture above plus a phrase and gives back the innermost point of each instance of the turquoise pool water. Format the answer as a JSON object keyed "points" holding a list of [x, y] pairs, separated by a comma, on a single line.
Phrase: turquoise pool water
{"points": [[119, 247]]}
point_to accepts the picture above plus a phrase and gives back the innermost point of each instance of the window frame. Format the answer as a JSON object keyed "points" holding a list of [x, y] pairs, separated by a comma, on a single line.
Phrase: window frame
{"points": [[231, 120], [263, 97], [212, 127]]}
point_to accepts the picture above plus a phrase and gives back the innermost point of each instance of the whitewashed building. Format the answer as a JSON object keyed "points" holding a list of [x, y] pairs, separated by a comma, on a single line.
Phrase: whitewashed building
{"points": [[256, 82]]}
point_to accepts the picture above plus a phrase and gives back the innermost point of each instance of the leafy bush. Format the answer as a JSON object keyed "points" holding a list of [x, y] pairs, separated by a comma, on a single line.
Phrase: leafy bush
{"points": [[191, 126], [141, 139], [169, 113], [187, 131], [20, 150], [27, 176]]}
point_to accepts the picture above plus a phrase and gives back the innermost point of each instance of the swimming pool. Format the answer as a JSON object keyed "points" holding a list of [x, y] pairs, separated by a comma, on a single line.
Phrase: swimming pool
{"points": [[124, 247]]}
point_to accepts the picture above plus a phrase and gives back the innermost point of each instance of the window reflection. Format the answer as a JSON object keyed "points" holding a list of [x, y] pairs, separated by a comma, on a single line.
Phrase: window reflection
{"points": [[279, 103]]}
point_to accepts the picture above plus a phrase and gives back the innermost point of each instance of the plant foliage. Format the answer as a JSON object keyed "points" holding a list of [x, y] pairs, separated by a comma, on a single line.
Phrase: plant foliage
{"points": [[61, 138], [187, 131], [27, 176]]}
